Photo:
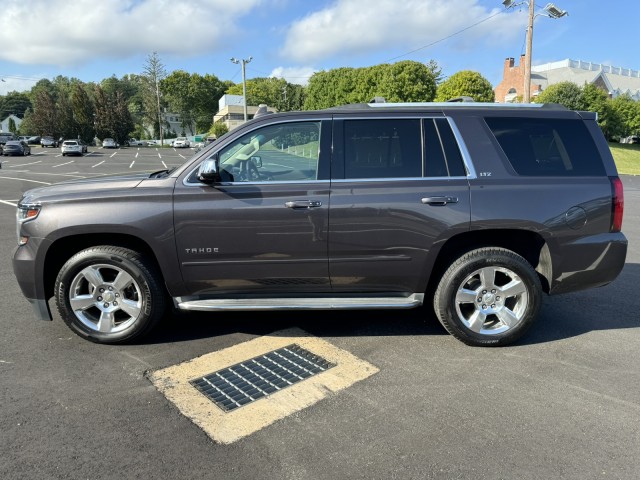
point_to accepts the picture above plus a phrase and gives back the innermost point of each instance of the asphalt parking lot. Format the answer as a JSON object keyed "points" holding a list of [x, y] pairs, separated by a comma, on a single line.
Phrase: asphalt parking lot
{"points": [[563, 403]]}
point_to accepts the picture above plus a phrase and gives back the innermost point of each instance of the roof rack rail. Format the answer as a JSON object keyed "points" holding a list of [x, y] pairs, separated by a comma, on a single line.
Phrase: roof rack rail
{"points": [[462, 98]]}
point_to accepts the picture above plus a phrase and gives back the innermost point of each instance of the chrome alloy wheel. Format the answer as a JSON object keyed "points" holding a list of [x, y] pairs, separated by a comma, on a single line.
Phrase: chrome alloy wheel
{"points": [[491, 300], [105, 298]]}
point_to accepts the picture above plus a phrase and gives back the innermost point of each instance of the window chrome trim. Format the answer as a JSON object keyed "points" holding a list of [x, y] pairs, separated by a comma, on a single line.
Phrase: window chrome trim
{"points": [[466, 156], [396, 179]]}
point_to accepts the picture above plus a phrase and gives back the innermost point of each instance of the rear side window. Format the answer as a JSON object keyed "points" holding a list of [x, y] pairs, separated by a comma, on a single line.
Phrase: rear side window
{"points": [[547, 147], [382, 148]]}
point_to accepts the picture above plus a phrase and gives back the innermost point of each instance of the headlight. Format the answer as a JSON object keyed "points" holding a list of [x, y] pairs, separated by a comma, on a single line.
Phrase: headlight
{"points": [[25, 213]]}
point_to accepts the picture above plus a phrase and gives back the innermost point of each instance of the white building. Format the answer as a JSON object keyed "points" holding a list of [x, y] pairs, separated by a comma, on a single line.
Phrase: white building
{"points": [[4, 124]]}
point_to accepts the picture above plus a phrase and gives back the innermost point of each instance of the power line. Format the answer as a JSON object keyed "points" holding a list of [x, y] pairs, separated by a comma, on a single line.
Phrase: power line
{"points": [[448, 36]]}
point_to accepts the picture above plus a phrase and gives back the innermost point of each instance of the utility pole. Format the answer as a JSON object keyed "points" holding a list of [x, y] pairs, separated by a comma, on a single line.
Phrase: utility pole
{"points": [[244, 82], [526, 98]]}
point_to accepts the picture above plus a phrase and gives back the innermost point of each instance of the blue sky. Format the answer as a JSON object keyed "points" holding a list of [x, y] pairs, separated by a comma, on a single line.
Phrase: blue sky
{"points": [[92, 40]]}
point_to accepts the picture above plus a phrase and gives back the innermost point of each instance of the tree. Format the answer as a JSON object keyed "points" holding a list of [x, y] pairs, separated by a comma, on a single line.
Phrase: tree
{"points": [[408, 81], [274, 92], [12, 125], [153, 73], [596, 100], [112, 118], [83, 113], [218, 129], [629, 113], [44, 118], [405, 81], [565, 93], [14, 103], [466, 83]]}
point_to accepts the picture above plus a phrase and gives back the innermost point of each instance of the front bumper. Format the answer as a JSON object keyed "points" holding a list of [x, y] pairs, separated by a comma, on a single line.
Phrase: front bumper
{"points": [[29, 273]]}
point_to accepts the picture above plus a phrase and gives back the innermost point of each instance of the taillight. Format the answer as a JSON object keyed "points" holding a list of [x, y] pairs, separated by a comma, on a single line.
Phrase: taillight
{"points": [[617, 204]]}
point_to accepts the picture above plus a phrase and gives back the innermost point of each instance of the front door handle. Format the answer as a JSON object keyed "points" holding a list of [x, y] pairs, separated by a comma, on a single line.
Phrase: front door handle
{"points": [[439, 201], [300, 204]]}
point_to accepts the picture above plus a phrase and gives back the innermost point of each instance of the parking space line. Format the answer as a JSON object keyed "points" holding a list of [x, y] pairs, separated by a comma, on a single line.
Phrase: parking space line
{"points": [[164, 164], [24, 164], [137, 153], [100, 163], [132, 164], [61, 164], [8, 203], [25, 180], [159, 155], [221, 427], [113, 154]]}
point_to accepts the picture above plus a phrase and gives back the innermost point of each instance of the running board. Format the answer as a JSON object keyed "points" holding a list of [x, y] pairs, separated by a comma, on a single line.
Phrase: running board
{"points": [[333, 303]]}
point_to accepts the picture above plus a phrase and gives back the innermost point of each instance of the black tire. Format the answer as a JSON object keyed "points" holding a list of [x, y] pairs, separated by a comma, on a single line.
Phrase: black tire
{"points": [[488, 297], [109, 294]]}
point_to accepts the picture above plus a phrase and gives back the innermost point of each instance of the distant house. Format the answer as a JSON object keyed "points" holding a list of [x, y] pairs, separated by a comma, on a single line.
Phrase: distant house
{"points": [[615, 81], [4, 124]]}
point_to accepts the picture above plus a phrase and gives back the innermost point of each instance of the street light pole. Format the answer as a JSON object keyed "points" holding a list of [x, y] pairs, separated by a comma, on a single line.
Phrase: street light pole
{"points": [[551, 11], [244, 82]]}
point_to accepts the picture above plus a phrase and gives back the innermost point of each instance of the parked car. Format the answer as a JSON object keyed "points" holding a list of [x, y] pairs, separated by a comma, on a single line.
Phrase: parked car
{"points": [[181, 142], [49, 142], [633, 139], [134, 142], [34, 140], [109, 143], [473, 211], [72, 147], [16, 147], [6, 136]]}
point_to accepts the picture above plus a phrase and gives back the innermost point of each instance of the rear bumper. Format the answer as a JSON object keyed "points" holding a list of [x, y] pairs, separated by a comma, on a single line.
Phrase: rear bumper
{"points": [[589, 262]]}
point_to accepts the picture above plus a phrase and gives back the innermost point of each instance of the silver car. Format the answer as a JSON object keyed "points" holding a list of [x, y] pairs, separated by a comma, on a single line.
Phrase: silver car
{"points": [[109, 143], [71, 147]]}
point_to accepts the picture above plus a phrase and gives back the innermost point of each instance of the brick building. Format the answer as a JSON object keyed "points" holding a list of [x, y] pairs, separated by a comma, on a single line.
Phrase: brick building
{"points": [[613, 80]]}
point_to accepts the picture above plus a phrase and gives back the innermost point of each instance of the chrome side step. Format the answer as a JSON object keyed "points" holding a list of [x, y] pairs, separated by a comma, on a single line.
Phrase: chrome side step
{"points": [[333, 303]]}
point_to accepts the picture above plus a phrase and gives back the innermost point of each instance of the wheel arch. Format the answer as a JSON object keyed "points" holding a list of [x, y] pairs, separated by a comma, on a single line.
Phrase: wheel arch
{"points": [[529, 245], [64, 248]]}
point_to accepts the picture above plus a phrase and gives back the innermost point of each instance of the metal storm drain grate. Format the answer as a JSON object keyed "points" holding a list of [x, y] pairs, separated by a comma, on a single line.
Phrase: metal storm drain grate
{"points": [[245, 382]]}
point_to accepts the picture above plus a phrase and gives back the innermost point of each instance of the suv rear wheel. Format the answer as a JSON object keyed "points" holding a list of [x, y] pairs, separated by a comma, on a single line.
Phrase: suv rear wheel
{"points": [[109, 294], [488, 297]]}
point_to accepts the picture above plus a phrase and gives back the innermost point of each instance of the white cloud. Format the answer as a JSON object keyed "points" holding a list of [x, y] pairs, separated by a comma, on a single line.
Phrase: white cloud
{"points": [[350, 27], [299, 75], [72, 32]]}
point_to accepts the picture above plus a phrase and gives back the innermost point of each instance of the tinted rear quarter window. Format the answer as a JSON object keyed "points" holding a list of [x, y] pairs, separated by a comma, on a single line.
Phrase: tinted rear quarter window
{"points": [[547, 147]]}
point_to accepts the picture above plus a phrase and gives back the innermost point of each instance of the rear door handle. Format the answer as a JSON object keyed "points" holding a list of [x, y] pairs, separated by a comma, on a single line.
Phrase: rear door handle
{"points": [[300, 204], [439, 201]]}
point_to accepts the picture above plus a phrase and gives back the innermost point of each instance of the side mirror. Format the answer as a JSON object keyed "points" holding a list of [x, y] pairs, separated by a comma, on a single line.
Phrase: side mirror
{"points": [[208, 172], [257, 161]]}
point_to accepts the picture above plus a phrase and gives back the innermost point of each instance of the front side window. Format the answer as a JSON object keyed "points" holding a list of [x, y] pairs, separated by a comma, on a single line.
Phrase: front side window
{"points": [[282, 152]]}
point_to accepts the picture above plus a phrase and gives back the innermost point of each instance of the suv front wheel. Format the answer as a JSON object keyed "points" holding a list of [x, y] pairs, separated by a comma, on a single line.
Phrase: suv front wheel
{"points": [[109, 294], [488, 297]]}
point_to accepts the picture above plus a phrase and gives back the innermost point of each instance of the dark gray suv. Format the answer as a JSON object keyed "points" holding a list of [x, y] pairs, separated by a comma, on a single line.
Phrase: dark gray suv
{"points": [[471, 211]]}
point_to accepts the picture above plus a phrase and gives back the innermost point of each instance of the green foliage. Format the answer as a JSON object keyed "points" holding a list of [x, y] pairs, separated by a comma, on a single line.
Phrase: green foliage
{"points": [[405, 81], [274, 92], [629, 113], [565, 93], [12, 125], [466, 83], [194, 97], [218, 129], [14, 103]]}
